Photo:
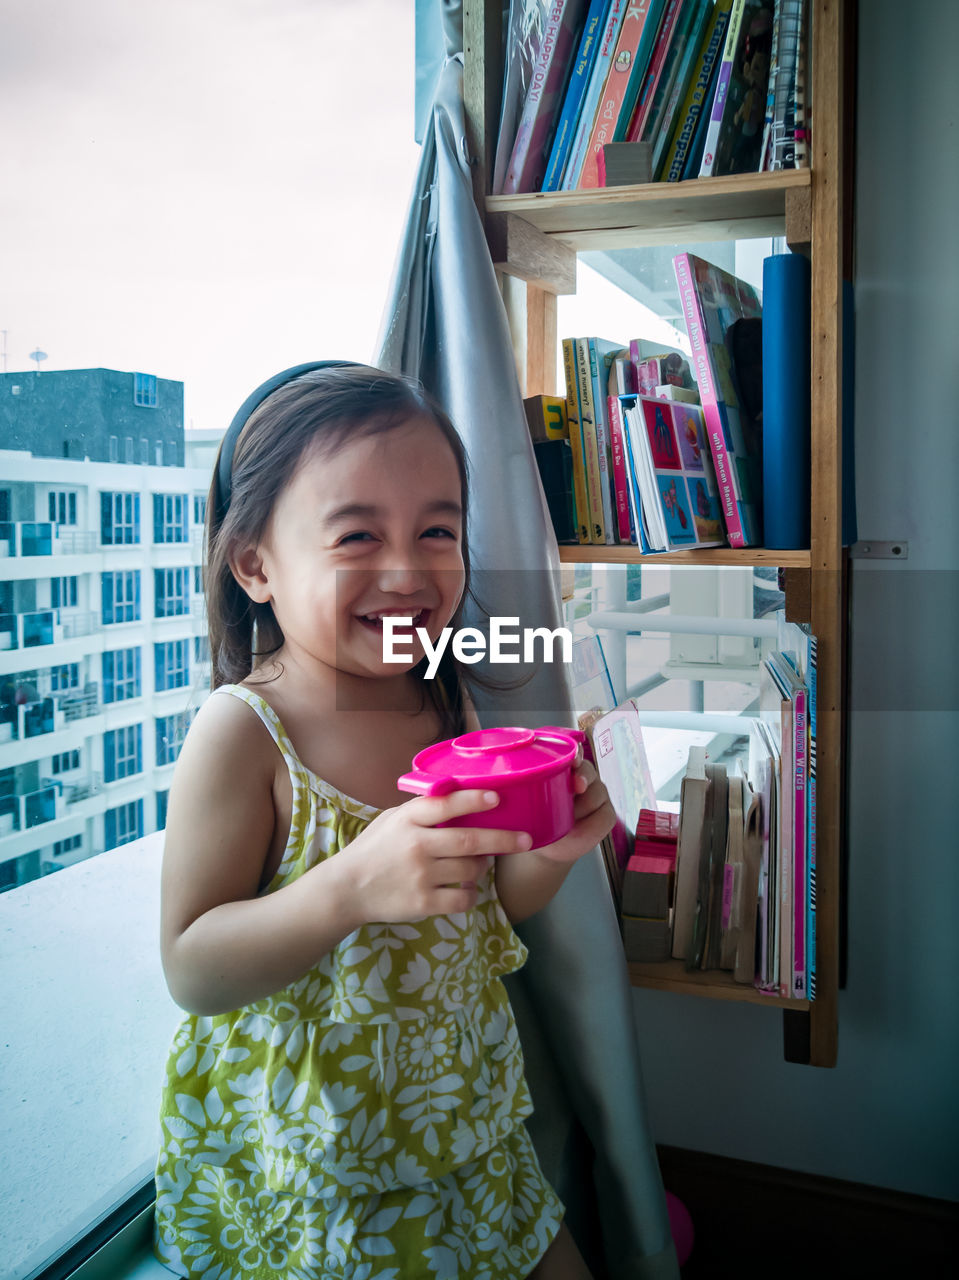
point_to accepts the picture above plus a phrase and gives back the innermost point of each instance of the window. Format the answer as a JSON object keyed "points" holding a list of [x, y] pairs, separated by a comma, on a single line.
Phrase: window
{"points": [[67, 846], [171, 665], [62, 507], [144, 452], [170, 732], [198, 579], [119, 519], [145, 390], [199, 510], [128, 449], [122, 752], [169, 517], [66, 676], [171, 592], [123, 824], [114, 449], [120, 596], [201, 651], [63, 593], [65, 762], [121, 675], [158, 453], [161, 798]]}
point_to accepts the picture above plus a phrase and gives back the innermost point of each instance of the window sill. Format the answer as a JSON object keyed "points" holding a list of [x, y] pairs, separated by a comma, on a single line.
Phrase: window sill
{"points": [[87, 1024]]}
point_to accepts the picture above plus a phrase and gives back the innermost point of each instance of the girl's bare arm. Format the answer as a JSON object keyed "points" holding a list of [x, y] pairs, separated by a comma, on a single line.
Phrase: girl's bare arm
{"points": [[222, 945]]}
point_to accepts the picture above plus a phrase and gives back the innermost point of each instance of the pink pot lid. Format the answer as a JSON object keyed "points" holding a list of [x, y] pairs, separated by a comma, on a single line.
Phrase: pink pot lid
{"points": [[488, 754]]}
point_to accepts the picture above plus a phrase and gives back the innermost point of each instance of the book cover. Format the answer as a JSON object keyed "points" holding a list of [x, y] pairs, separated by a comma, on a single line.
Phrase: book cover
{"points": [[653, 371], [695, 102], [707, 927], [594, 88], [624, 523], [734, 140], [544, 97], [810, 674], [596, 473], [633, 478], [580, 496], [622, 764], [694, 157], [677, 481], [712, 301], [763, 772], [546, 417], [786, 408], [776, 708], [575, 90], [677, 81], [522, 42], [636, 129], [692, 813], [733, 877], [554, 462], [795, 688], [624, 66], [745, 964]]}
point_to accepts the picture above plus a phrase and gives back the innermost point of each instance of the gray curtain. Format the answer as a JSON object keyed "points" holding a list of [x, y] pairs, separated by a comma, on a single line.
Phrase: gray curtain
{"points": [[445, 323]]}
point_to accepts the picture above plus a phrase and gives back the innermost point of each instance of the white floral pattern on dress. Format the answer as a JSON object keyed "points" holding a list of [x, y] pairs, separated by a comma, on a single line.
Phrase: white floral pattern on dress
{"points": [[365, 1122]]}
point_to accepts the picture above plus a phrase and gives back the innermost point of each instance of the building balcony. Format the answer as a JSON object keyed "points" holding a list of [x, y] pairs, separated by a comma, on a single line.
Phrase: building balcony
{"points": [[32, 809], [45, 627]]}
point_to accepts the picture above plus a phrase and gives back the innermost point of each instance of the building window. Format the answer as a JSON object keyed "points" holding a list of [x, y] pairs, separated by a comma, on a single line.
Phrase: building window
{"points": [[121, 675], [66, 762], [170, 731], [119, 519], [120, 596], [201, 651], [63, 593], [198, 579], [199, 509], [62, 507], [67, 846], [144, 452], [171, 665], [122, 752], [158, 453], [169, 517], [122, 824], [114, 449], [66, 676], [145, 390], [162, 798], [128, 449], [171, 592]]}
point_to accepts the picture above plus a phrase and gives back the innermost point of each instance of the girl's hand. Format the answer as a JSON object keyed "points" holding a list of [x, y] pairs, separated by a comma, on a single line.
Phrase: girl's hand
{"points": [[593, 817], [403, 867]]}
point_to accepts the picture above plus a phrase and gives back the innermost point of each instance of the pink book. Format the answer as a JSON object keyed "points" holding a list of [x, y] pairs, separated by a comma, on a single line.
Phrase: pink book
{"points": [[712, 300], [799, 848], [611, 101], [544, 98], [620, 479]]}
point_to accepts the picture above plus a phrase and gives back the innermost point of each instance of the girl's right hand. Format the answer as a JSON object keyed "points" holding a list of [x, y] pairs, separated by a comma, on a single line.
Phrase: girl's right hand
{"points": [[404, 867]]}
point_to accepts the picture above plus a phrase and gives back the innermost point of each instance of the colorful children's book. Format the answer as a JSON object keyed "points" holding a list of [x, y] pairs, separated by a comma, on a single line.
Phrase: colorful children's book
{"points": [[695, 102], [597, 82], [677, 484], [622, 765], [626, 66], [712, 301], [662, 119], [735, 135], [523, 38], [668, 26], [544, 97], [694, 156], [575, 91], [652, 371]]}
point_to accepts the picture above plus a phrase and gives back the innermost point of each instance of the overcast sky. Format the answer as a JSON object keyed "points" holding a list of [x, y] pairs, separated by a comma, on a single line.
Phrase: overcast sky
{"points": [[207, 190]]}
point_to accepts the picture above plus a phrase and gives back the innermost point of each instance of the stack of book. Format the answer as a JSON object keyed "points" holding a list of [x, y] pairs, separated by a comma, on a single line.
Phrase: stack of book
{"points": [[709, 87], [728, 883]]}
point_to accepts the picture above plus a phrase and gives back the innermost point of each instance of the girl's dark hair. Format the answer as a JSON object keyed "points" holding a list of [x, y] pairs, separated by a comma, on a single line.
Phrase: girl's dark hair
{"points": [[325, 406]]}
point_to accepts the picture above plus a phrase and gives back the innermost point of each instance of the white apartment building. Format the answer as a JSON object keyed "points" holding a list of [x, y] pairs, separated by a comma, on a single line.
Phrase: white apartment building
{"points": [[103, 650]]}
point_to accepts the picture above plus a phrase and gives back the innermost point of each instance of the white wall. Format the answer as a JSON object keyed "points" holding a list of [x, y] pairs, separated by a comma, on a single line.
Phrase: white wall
{"points": [[888, 1113]]}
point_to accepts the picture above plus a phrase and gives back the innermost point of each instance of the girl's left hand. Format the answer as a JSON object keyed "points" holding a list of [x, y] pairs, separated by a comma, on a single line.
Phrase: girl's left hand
{"points": [[593, 817]]}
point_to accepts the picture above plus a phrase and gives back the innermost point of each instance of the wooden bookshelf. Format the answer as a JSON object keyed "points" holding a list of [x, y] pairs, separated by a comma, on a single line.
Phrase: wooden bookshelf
{"points": [[534, 240]]}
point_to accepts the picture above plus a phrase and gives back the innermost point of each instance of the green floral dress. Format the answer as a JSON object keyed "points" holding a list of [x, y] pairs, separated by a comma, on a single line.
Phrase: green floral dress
{"points": [[365, 1123]]}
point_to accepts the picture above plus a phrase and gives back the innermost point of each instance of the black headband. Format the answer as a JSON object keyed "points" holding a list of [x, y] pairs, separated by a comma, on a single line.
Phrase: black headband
{"points": [[224, 468]]}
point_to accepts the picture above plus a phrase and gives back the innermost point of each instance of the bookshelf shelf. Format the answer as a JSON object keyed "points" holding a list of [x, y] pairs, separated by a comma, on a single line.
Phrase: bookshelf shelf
{"points": [[533, 242], [671, 975], [741, 556], [737, 208]]}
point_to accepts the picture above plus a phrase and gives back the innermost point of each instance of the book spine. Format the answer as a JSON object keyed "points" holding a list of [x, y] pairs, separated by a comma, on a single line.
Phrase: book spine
{"points": [[675, 105], [709, 397], [587, 414], [811, 822], [765, 151], [580, 498], [620, 484], [543, 98], [622, 68], [597, 82], [627, 405], [675, 55], [722, 87], [573, 99], [799, 848], [599, 377], [644, 102]]}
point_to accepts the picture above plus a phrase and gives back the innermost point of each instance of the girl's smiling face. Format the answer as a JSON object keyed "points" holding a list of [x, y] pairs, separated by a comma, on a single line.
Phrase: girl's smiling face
{"points": [[372, 527]]}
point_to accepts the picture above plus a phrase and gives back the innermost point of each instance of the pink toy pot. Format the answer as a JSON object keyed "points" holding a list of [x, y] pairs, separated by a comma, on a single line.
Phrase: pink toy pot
{"points": [[531, 770]]}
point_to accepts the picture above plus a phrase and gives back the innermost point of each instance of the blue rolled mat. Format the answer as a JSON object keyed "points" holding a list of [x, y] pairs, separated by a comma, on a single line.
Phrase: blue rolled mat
{"points": [[786, 416]]}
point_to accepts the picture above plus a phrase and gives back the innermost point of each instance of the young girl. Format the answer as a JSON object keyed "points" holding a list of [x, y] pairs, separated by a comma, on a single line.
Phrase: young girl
{"points": [[346, 1097]]}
